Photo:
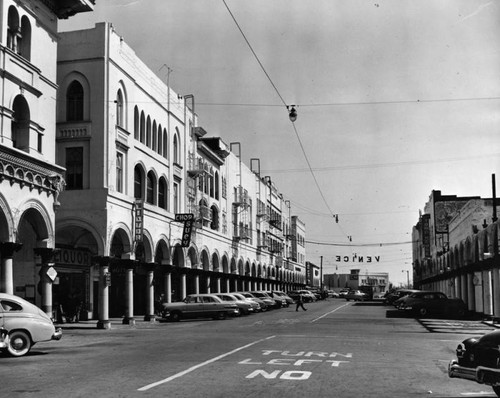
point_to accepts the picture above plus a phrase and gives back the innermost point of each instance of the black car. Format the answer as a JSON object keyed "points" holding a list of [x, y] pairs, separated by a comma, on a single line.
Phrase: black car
{"points": [[430, 303], [391, 297], [478, 359]]}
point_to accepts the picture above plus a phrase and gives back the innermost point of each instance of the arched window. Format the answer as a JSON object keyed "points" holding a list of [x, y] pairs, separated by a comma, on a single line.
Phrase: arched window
{"points": [[215, 218], [160, 145], [165, 144], [24, 42], [138, 183], [74, 102], [119, 108], [148, 132], [13, 29], [151, 188], [163, 194], [142, 128], [155, 138], [216, 185], [21, 124], [176, 149], [136, 123]]}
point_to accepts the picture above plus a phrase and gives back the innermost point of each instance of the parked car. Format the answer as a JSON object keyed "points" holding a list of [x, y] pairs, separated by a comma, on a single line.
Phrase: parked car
{"points": [[199, 306], [356, 295], [244, 306], [25, 325], [425, 303], [255, 305], [478, 360], [307, 296], [391, 297], [271, 303], [343, 292], [333, 294], [263, 305], [287, 298]]}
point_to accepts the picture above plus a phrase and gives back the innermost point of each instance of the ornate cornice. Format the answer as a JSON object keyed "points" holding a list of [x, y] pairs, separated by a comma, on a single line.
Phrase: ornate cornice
{"points": [[20, 168]]}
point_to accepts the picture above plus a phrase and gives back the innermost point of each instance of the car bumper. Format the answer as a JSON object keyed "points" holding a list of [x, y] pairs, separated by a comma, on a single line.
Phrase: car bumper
{"points": [[57, 334], [481, 374]]}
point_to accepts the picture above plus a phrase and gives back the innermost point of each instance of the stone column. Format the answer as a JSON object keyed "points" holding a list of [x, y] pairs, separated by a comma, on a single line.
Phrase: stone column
{"points": [[197, 284], [150, 294], [463, 287], [183, 287], [208, 285], [218, 285], [471, 295], [495, 273], [104, 283], [487, 293], [7, 250], [478, 292], [47, 274], [128, 319], [168, 286], [228, 287]]}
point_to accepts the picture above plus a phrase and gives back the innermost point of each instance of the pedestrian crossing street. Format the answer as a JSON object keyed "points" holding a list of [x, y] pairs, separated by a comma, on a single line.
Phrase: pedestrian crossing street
{"points": [[457, 326]]}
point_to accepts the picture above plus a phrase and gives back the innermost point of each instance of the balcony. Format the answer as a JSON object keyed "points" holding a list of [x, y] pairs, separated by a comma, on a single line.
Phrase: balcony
{"points": [[73, 131], [242, 198], [241, 234], [197, 166]]}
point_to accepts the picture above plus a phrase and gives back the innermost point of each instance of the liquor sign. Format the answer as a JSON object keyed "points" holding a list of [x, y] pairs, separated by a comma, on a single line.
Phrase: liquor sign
{"points": [[426, 234], [188, 220], [139, 220]]}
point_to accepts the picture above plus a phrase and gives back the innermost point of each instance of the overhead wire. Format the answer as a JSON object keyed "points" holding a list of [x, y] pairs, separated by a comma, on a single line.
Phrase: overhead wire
{"points": [[335, 216]]}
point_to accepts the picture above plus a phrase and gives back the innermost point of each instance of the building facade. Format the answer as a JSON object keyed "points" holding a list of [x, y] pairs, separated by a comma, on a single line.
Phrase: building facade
{"points": [[154, 206], [455, 250], [30, 179], [374, 282]]}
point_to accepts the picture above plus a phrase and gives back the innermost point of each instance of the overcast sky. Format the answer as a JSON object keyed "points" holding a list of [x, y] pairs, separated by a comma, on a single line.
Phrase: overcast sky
{"points": [[395, 99]]}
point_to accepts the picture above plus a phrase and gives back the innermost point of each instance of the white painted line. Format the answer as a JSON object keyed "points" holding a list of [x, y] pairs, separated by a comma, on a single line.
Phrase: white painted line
{"points": [[185, 372], [328, 313]]}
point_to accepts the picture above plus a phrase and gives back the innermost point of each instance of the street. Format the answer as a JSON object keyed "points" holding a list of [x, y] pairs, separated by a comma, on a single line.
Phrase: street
{"points": [[335, 348]]}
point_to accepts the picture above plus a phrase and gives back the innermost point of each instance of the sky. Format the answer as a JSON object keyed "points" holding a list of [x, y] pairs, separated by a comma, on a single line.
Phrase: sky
{"points": [[395, 98]]}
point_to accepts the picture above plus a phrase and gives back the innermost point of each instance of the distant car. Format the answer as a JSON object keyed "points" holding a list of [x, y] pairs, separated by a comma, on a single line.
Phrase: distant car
{"points": [[199, 306], [425, 303], [244, 306], [343, 292], [356, 295], [307, 296], [391, 297], [255, 305], [270, 302], [333, 294], [263, 305], [478, 360], [25, 325], [287, 298], [281, 300]]}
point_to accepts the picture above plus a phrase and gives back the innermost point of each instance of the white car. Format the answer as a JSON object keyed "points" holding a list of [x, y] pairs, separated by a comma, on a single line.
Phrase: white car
{"points": [[24, 325]]}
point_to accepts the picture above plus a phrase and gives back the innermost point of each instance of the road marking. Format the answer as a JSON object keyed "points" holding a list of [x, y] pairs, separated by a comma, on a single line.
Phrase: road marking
{"points": [[185, 372], [328, 313]]}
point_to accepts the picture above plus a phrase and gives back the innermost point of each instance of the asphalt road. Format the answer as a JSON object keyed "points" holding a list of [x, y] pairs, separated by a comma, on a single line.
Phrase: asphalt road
{"points": [[335, 349]]}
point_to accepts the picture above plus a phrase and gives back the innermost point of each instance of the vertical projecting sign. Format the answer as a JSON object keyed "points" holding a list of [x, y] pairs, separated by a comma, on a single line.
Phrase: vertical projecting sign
{"points": [[188, 220], [139, 220]]}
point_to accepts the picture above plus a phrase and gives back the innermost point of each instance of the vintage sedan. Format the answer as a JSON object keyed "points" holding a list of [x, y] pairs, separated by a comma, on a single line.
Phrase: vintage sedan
{"points": [[255, 305], [24, 325], [478, 359], [356, 295], [199, 306], [425, 303], [244, 306]]}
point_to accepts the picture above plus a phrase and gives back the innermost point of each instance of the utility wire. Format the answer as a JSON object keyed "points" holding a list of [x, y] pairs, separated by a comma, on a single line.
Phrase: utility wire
{"points": [[334, 216], [254, 54]]}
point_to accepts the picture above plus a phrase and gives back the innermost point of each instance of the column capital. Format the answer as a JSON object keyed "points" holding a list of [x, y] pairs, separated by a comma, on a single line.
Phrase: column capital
{"points": [[46, 254], [7, 249]]}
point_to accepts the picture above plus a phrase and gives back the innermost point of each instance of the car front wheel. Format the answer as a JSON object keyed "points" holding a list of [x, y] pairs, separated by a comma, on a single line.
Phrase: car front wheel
{"points": [[19, 343]]}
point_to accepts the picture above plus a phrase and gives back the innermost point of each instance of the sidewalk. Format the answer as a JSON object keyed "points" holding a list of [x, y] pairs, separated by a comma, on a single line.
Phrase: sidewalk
{"points": [[116, 323]]}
